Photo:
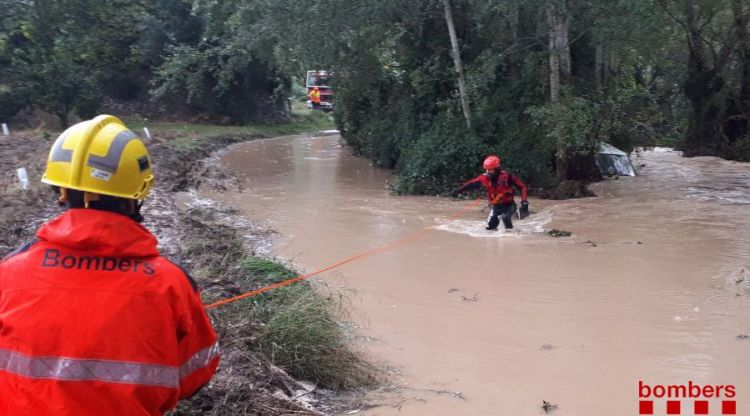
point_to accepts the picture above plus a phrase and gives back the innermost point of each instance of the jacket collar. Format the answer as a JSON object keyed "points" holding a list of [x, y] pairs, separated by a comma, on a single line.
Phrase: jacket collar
{"points": [[99, 232]]}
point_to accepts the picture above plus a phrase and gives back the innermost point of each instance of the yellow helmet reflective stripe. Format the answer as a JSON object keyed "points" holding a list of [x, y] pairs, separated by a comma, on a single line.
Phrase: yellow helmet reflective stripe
{"points": [[100, 156]]}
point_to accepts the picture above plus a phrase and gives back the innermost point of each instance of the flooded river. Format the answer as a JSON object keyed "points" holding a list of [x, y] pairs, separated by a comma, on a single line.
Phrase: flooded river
{"points": [[653, 285]]}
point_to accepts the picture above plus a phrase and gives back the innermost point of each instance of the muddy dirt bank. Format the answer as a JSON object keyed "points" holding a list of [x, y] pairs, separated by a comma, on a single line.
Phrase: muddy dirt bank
{"points": [[192, 234]]}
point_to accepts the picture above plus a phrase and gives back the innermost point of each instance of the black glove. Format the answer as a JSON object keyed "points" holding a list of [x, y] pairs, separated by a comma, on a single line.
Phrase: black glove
{"points": [[524, 209], [455, 192]]}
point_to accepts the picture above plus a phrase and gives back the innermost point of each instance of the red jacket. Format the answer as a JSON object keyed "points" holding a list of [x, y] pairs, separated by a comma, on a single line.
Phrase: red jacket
{"points": [[94, 322], [498, 192]]}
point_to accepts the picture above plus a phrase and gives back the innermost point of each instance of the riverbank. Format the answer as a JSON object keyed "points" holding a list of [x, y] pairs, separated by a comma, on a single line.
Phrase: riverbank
{"points": [[221, 254]]}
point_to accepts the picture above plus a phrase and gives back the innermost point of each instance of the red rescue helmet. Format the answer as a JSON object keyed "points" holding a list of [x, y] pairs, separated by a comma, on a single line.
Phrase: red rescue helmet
{"points": [[491, 162]]}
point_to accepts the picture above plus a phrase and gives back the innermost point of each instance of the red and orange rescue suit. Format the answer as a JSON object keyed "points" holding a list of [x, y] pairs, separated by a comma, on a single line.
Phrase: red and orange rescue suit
{"points": [[499, 194], [93, 321]]}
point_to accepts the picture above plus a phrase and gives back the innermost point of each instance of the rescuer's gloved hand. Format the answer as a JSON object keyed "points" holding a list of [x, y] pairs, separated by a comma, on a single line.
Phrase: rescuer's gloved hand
{"points": [[524, 209]]}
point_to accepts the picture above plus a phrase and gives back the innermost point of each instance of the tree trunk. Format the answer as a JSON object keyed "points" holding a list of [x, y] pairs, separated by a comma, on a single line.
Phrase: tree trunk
{"points": [[514, 19], [610, 69], [554, 76], [598, 66], [740, 24], [559, 67], [63, 118], [457, 61], [702, 86], [563, 45]]}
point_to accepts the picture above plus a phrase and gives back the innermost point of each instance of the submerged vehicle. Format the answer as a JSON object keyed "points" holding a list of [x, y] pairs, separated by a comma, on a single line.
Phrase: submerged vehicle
{"points": [[612, 161], [322, 80]]}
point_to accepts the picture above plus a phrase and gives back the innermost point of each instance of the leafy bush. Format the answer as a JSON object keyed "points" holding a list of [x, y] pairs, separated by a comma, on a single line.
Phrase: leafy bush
{"points": [[440, 158], [739, 150], [572, 122], [12, 100]]}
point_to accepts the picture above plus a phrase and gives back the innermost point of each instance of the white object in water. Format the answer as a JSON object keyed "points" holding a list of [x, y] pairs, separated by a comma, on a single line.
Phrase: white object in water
{"points": [[23, 177], [145, 130], [5, 130]]}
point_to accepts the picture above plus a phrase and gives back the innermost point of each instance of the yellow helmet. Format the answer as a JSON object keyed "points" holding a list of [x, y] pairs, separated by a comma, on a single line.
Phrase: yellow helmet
{"points": [[100, 156]]}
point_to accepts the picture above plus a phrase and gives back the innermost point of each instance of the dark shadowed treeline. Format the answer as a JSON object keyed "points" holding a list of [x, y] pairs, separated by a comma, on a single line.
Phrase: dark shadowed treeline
{"points": [[67, 56], [427, 87], [546, 81]]}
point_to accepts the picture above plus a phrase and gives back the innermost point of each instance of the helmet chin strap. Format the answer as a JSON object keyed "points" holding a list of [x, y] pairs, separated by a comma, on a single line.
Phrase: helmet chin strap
{"points": [[136, 215]]}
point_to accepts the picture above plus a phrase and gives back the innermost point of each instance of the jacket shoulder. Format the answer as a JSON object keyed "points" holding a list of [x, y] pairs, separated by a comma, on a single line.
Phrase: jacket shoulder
{"points": [[179, 271], [511, 174]]}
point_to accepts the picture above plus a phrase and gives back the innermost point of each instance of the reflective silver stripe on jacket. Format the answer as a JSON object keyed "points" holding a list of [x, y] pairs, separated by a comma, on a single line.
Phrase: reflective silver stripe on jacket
{"points": [[199, 360], [72, 369]]}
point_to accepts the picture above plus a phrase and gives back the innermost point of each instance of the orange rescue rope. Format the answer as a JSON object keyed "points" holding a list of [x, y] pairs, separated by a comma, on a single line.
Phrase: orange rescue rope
{"points": [[404, 240]]}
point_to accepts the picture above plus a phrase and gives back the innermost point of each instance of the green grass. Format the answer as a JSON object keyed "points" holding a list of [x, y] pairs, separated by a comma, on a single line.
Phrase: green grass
{"points": [[301, 332], [302, 121], [193, 137], [295, 327]]}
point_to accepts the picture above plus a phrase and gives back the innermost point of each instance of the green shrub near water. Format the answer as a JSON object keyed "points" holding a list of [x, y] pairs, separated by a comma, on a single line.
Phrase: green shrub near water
{"points": [[740, 150], [300, 332], [439, 156]]}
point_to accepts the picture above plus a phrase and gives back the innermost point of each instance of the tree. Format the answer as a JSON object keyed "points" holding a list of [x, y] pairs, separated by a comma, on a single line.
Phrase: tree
{"points": [[559, 69], [231, 70], [710, 38], [65, 55], [456, 52]]}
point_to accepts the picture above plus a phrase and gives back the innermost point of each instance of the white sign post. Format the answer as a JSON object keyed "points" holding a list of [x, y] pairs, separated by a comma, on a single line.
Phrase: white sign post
{"points": [[6, 132], [145, 130], [23, 178]]}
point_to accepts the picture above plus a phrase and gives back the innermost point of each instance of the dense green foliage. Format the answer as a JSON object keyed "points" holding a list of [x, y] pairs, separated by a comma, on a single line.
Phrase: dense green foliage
{"points": [[632, 73], [398, 103], [66, 56], [629, 83]]}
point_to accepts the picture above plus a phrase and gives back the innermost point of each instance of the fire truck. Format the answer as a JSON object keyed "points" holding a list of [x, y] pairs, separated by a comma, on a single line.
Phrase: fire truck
{"points": [[322, 80]]}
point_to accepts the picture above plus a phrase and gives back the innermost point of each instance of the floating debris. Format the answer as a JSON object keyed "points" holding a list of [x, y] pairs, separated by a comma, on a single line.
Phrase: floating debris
{"points": [[548, 406], [743, 336], [451, 290], [548, 347], [474, 298], [559, 233]]}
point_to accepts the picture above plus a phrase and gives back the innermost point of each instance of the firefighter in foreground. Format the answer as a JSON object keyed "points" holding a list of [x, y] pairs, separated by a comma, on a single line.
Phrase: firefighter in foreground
{"points": [[499, 184], [93, 321]]}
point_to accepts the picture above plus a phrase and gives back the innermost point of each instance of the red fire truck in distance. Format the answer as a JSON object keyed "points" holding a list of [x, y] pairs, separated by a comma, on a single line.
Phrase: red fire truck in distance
{"points": [[322, 80]]}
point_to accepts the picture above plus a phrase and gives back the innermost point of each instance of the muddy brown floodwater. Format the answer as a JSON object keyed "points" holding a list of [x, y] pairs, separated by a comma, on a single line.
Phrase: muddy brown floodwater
{"points": [[653, 285]]}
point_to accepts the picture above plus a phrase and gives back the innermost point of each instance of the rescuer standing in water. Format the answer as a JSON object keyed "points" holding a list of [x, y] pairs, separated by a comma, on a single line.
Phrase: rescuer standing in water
{"points": [[499, 184]]}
